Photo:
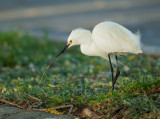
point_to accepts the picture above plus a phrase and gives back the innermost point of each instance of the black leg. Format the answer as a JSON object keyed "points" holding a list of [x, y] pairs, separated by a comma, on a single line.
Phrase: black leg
{"points": [[111, 71], [118, 71]]}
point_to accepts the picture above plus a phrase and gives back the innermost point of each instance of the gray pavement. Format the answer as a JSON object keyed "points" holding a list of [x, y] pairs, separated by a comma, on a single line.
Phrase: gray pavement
{"points": [[58, 18], [7, 112]]}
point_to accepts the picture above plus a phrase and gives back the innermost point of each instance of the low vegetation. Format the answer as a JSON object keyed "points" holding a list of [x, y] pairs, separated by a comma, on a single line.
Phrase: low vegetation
{"points": [[75, 79]]}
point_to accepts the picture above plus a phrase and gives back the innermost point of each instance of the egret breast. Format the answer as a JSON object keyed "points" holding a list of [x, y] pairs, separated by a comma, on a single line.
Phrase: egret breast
{"points": [[90, 50]]}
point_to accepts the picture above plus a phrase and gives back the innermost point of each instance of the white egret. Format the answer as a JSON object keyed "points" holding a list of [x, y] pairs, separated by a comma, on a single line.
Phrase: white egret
{"points": [[107, 39]]}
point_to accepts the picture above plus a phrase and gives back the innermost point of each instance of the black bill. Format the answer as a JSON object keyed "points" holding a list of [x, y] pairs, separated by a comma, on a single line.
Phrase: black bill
{"points": [[62, 51]]}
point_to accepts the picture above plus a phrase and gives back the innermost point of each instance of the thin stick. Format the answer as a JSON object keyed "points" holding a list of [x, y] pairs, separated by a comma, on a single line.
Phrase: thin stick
{"points": [[34, 106], [63, 106], [32, 97], [70, 109], [46, 69], [11, 103], [101, 84], [62, 51]]}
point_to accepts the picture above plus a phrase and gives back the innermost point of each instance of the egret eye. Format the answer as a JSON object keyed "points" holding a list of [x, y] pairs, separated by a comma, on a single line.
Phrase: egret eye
{"points": [[70, 41]]}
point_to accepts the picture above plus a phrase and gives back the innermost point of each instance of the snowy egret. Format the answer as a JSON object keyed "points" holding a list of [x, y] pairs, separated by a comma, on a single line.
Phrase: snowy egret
{"points": [[107, 40]]}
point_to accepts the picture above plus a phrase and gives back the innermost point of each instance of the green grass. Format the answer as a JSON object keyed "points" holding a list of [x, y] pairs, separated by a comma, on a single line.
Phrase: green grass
{"points": [[72, 78]]}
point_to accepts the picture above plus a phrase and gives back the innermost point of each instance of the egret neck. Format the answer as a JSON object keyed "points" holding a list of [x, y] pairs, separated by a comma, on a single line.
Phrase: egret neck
{"points": [[89, 47]]}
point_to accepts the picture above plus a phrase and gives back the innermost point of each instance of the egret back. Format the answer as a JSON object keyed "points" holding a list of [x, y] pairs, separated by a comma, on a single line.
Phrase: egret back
{"points": [[111, 37]]}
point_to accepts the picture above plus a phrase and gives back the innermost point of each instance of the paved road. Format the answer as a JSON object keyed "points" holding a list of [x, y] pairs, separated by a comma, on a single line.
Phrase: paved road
{"points": [[60, 17], [8, 112]]}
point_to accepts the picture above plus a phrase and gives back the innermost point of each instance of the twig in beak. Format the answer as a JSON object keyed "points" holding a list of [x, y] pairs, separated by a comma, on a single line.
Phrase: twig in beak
{"points": [[62, 51]]}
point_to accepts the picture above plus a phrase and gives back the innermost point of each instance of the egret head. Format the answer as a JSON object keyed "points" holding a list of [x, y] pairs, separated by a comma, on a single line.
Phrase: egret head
{"points": [[78, 37]]}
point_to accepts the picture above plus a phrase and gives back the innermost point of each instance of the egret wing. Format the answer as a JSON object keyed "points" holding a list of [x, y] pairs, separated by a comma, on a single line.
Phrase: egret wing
{"points": [[111, 37]]}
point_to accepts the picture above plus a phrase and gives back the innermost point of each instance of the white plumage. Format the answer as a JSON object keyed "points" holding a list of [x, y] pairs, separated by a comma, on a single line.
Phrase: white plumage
{"points": [[106, 38]]}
